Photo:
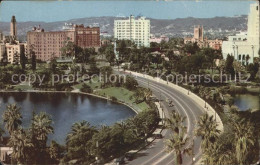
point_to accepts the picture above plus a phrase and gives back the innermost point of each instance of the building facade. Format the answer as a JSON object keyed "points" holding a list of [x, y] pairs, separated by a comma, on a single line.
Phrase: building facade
{"points": [[2, 51], [13, 27], [198, 37], [159, 39], [245, 46], [47, 45], [136, 30], [13, 51], [87, 37]]}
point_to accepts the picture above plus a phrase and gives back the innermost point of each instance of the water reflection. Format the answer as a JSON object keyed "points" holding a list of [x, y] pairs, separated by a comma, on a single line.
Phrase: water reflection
{"points": [[247, 101]]}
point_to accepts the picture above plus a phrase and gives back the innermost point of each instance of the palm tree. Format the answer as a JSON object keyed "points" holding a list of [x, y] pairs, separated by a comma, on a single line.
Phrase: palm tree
{"points": [[12, 118], [218, 155], [207, 129], [19, 142], [175, 121], [78, 141], [244, 139], [177, 143], [42, 123]]}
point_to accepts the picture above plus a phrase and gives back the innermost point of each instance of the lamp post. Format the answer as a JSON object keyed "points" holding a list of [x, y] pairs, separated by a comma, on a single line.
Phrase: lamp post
{"points": [[192, 150], [97, 153]]}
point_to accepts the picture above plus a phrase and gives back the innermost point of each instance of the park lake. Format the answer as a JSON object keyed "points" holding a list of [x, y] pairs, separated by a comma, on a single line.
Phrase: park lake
{"points": [[66, 109], [247, 101]]}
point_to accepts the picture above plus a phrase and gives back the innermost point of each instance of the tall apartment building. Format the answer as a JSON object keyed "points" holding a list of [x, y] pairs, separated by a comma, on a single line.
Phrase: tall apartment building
{"points": [[86, 37], [136, 30], [245, 47], [47, 45]]}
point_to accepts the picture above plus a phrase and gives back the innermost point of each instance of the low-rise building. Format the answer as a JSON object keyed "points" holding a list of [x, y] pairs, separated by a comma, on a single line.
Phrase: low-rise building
{"points": [[159, 39]]}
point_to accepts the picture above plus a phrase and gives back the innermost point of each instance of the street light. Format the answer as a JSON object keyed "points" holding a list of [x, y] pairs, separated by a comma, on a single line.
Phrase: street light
{"points": [[192, 150], [97, 152]]}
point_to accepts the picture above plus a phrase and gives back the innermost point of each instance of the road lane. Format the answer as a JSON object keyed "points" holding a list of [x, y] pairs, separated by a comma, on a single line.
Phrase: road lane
{"points": [[155, 154]]}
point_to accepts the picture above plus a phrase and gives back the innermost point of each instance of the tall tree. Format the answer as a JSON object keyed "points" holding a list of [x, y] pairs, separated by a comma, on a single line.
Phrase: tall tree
{"points": [[177, 143], [229, 65], [33, 61], [244, 140], [78, 142], [19, 141], [22, 58], [12, 118], [41, 127], [207, 129], [175, 122]]}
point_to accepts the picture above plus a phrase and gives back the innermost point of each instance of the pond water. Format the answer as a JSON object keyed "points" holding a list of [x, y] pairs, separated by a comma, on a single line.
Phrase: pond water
{"points": [[66, 109], [246, 101]]}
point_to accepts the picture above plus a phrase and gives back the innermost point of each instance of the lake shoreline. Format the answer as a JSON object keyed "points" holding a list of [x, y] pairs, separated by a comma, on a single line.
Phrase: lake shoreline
{"points": [[71, 92]]}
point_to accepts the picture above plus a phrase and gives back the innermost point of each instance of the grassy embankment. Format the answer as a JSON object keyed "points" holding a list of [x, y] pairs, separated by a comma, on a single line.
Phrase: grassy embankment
{"points": [[120, 93]]}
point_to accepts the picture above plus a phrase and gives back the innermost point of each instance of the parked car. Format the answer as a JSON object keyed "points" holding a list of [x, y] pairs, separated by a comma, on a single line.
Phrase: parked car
{"points": [[158, 136], [130, 155], [120, 160]]}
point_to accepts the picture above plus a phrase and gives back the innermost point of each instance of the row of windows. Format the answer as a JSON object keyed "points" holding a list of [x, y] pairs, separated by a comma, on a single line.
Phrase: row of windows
{"points": [[243, 56]]}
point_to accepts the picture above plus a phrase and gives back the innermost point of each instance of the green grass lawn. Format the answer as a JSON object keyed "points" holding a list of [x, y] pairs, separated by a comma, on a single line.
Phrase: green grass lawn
{"points": [[23, 87], [94, 84], [123, 95]]}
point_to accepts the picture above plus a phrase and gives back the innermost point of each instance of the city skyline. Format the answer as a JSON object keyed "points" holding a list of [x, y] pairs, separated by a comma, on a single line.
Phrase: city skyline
{"points": [[58, 11]]}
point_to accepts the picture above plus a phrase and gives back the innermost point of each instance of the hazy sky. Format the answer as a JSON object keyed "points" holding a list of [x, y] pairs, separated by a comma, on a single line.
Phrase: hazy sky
{"points": [[50, 11]]}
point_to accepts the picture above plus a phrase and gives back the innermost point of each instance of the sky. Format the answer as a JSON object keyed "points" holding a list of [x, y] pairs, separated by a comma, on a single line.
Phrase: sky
{"points": [[52, 11]]}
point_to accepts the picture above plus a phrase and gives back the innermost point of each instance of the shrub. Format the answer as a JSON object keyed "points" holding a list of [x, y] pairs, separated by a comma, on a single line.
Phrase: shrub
{"points": [[113, 98], [86, 88]]}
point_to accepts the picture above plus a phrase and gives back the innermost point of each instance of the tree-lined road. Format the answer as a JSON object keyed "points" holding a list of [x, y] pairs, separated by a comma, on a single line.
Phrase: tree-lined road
{"points": [[155, 153]]}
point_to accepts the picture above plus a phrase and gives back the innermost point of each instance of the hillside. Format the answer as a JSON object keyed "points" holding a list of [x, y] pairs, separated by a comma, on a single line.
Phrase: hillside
{"points": [[175, 27]]}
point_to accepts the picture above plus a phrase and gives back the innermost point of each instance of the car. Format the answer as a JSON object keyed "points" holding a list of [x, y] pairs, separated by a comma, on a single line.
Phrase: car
{"points": [[129, 156], [158, 136], [120, 160]]}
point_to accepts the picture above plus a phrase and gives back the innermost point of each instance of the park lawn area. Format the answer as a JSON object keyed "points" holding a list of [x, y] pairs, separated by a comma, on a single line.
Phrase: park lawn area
{"points": [[94, 84], [123, 95], [23, 87]]}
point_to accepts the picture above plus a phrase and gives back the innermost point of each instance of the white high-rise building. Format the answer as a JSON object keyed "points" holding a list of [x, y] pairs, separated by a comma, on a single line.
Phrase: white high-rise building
{"points": [[245, 46], [137, 30]]}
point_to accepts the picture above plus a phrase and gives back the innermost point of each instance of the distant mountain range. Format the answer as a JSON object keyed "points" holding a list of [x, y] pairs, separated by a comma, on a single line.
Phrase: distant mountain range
{"points": [[174, 27]]}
